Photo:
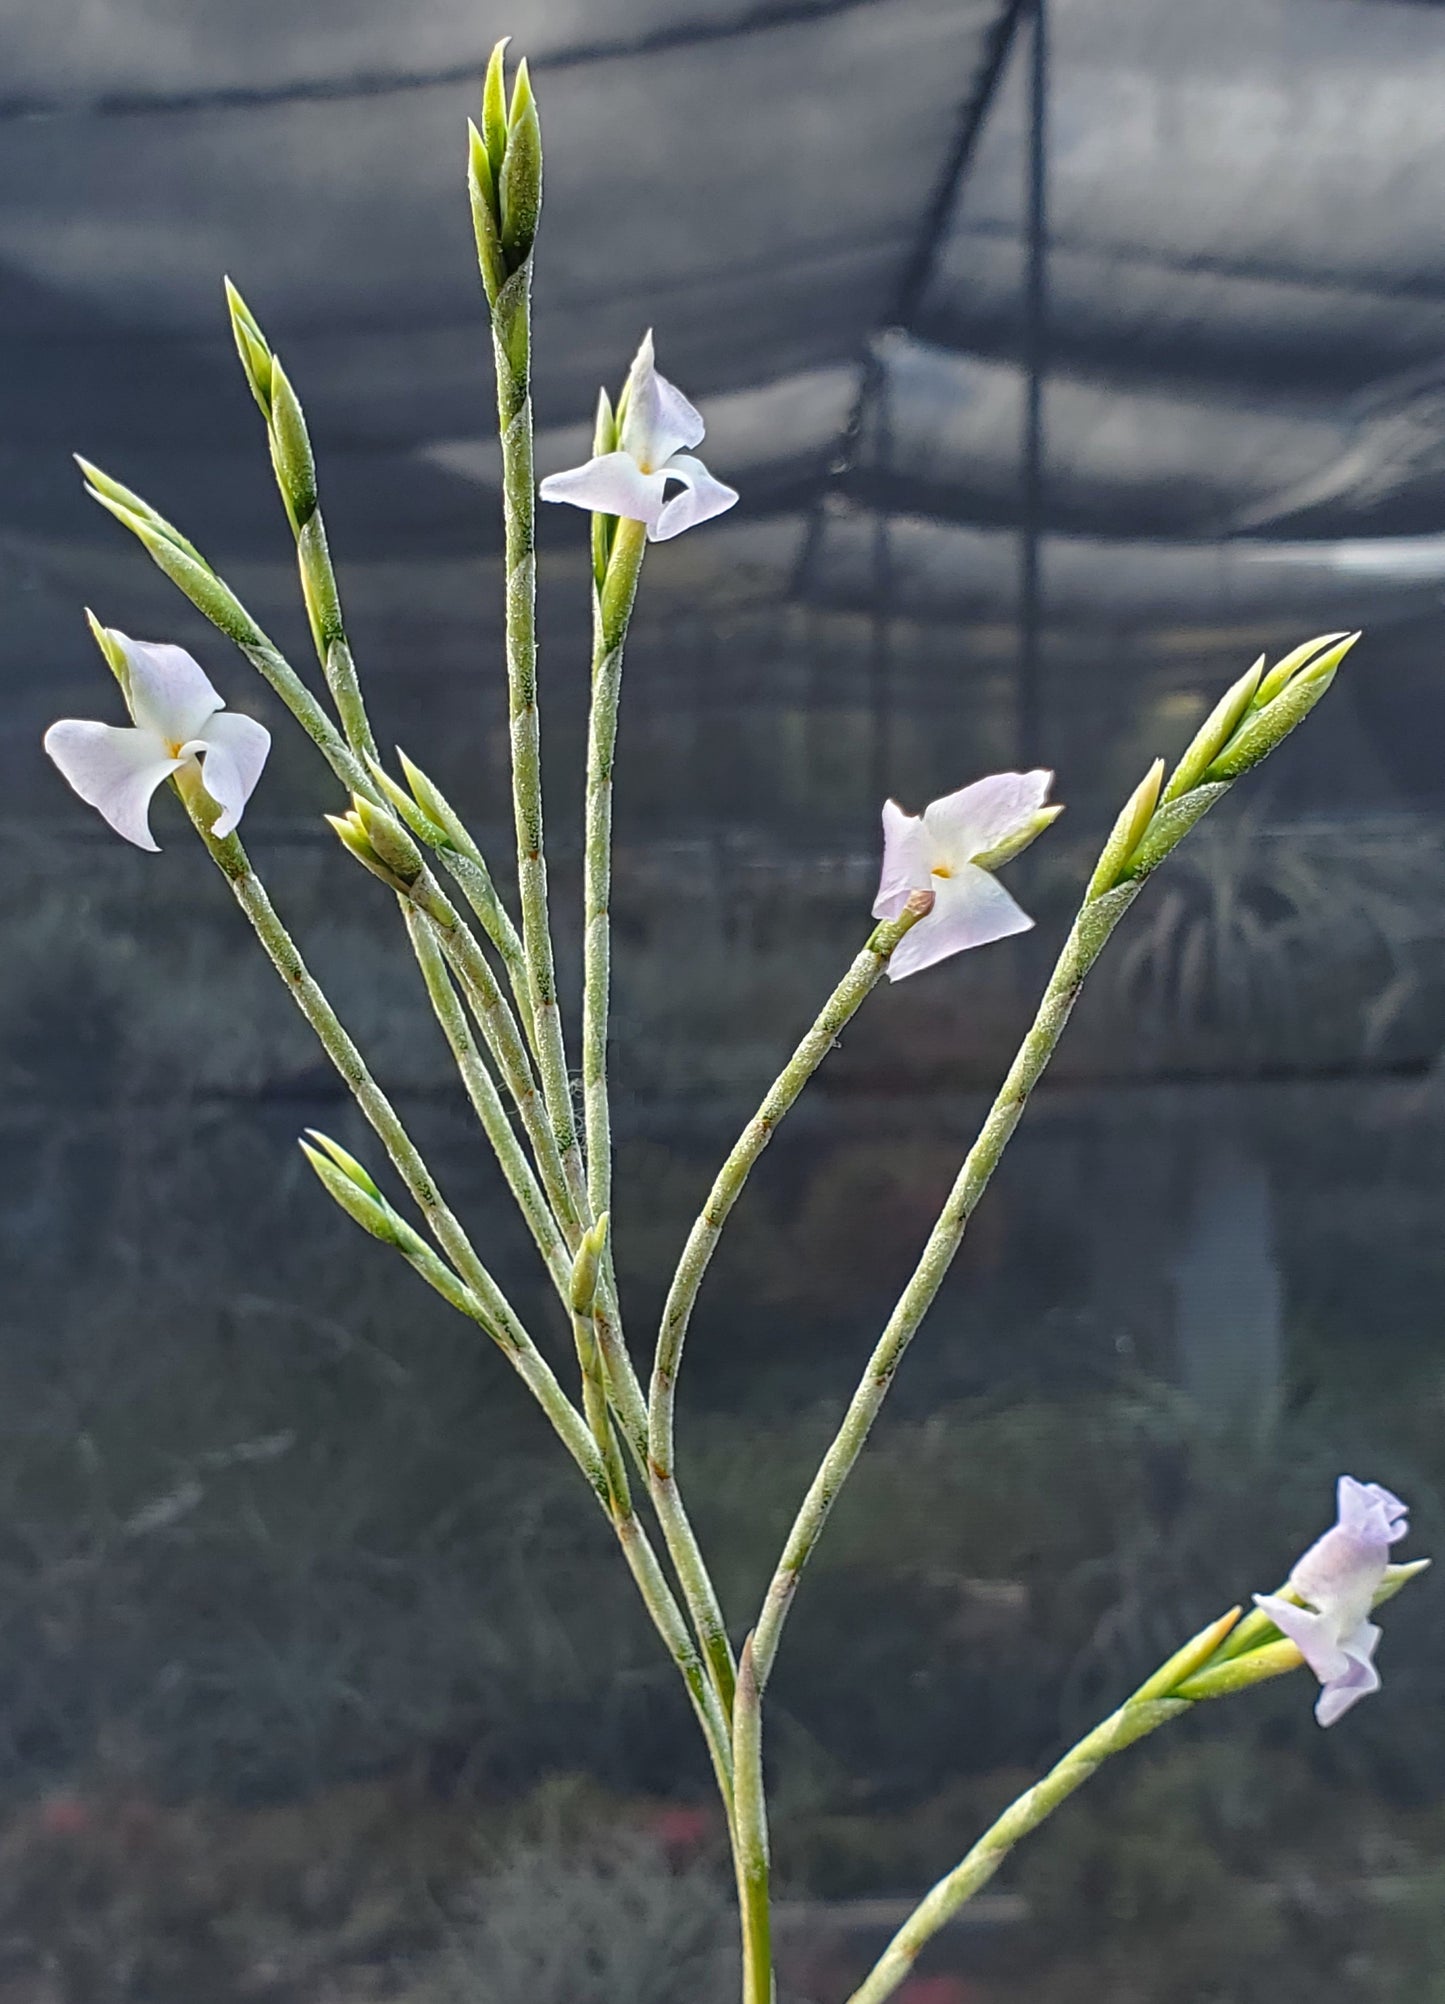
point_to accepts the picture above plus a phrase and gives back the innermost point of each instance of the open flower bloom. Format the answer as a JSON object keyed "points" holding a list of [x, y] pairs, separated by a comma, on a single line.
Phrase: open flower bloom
{"points": [[944, 850], [1338, 1578], [658, 429], [179, 719]]}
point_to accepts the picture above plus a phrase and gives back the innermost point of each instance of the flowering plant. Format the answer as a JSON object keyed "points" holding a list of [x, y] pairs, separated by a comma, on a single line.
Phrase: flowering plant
{"points": [[490, 980]]}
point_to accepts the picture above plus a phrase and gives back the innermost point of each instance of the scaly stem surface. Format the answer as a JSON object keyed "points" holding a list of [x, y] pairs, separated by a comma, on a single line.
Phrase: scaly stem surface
{"points": [[750, 1834], [512, 348], [486, 1100], [842, 1005], [1086, 939], [503, 1037], [611, 611]]}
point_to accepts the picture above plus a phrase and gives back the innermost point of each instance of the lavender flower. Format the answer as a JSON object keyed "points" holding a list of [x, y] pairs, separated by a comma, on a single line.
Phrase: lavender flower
{"points": [[1337, 1580]]}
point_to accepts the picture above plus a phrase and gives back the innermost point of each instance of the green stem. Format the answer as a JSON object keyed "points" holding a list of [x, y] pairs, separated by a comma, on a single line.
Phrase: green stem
{"points": [[862, 977], [481, 1297], [612, 609], [471, 1288], [1131, 1722], [487, 1101], [512, 346], [1086, 940], [504, 1040], [837, 1012], [750, 1834], [599, 1414], [469, 871]]}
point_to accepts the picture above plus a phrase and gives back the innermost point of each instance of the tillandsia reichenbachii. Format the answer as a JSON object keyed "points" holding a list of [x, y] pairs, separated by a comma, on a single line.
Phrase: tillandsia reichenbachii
{"points": [[490, 979]]}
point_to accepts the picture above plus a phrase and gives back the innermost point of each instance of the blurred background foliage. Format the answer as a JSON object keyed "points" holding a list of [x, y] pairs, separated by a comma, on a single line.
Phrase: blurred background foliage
{"points": [[1054, 390]]}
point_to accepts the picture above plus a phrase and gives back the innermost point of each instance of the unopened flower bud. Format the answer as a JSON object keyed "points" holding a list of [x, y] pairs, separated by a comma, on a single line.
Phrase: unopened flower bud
{"points": [[1286, 669], [1127, 832], [389, 839], [1265, 728], [587, 1268], [519, 183], [1215, 732], [1018, 839], [291, 451], [352, 833], [373, 1214], [486, 214], [252, 347], [111, 649], [346, 1162]]}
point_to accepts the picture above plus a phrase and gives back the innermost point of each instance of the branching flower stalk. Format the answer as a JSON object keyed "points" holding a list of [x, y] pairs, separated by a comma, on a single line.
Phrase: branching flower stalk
{"points": [[505, 182], [1229, 1656], [938, 895], [1250, 722]]}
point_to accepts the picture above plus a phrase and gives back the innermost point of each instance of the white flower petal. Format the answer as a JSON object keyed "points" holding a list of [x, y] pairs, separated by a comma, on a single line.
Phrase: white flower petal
{"points": [[970, 909], [1359, 1679], [657, 419], [114, 769], [979, 817], [1371, 1511], [702, 498], [612, 485], [1314, 1634], [169, 691], [905, 868], [233, 752]]}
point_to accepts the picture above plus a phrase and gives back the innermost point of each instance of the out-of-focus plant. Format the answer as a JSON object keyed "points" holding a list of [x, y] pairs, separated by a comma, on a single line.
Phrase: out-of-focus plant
{"points": [[492, 984]]}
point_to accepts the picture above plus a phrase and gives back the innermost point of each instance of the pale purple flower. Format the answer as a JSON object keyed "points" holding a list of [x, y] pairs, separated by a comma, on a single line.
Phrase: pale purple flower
{"points": [[179, 719], [1337, 1579], [657, 431], [944, 850]]}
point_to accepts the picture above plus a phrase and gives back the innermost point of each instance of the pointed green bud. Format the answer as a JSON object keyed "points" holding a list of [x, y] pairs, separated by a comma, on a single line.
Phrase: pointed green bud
{"points": [[194, 576], [435, 805], [346, 1162], [494, 105], [1397, 1577], [519, 187], [1127, 832], [1022, 838], [351, 832], [486, 215], [252, 347], [604, 527], [604, 429], [1186, 1661], [420, 824], [1265, 728], [1215, 732], [291, 452], [587, 1267], [105, 490], [523, 100], [111, 650], [371, 1213], [1169, 827], [1239, 1673], [393, 846], [1284, 671]]}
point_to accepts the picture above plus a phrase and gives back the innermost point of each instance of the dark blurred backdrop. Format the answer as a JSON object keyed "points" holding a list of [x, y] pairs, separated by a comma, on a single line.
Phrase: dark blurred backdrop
{"points": [[1063, 364]]}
